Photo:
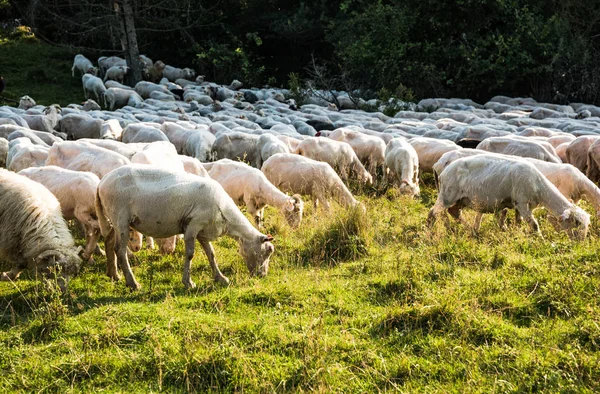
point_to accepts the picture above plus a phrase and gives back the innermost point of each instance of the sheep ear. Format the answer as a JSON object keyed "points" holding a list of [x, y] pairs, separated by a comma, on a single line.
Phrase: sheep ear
{"points": [[267, 238], [289, 204]]}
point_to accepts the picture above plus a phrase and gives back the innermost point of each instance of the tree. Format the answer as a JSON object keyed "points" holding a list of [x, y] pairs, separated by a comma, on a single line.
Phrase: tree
{"points": [[129, 42]]}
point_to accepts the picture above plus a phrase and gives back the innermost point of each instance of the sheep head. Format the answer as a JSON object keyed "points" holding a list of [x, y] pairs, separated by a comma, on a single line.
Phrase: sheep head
{"points": [[256, 253], [293, 210]]}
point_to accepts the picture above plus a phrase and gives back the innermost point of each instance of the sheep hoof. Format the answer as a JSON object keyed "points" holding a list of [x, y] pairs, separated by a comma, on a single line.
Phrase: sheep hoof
{"points": [[115, 277], [189, 284], [134, 286], [222, 280]]}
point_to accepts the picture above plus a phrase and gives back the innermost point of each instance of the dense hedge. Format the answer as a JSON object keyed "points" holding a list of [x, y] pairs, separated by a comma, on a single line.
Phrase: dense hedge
{"points": [[469, 48]]}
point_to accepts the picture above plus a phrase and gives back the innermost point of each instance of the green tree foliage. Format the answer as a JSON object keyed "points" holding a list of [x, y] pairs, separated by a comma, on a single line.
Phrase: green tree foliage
{"points": [[470, 48]]}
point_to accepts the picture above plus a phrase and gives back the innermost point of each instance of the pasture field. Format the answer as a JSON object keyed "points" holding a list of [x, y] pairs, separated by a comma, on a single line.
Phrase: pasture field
{"points": [[352, 303]]}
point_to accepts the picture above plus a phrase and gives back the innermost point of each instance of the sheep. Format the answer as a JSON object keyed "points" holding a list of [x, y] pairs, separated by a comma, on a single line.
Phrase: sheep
{"points": [[197, 143], [36, 137], [92, 84], [569, 181], [193, 166], [369, 149], [144, 88], [269, 145], [127, 150], [83, 65], [76, 192], [114, 84], [24, 154], [238, 146], [577, 151], [520, 146], [116, 73], [33, 232], [115, 98], [3, 152], [200, 209], [174, 73], [156, 95], [430, 150], [249, 186], [593, 162], [26, 102], [301, 175], [146, 61], [142, 134], [489, 184], [402, 162], [46, 121], [339, 155], [81, 156], [154, 73], [161, 154], [104, 63], [77, 126]]}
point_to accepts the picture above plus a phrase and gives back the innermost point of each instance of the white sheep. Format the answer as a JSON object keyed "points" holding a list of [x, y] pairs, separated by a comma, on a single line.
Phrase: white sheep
{"points": [[269, 145], [297, 174], [82, 156], [83, 65], [138, 195], [116, 73], [430, 150], [22, 153], [76, 192], [115, 98], [174, 73], [369, 149], [249, 186], [92, 84], [26, 102], [520, 146], [489, 184], [402, 163], [33, 232]]}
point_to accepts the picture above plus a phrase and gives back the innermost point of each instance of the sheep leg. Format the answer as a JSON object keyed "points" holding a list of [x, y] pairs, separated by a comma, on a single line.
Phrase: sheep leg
{"points": [[210, 253], [121, 248], [502, 219], [190, 241], [254, 211], [149, 243], [477, 224], [91, 241], [13, 274], [523, 210], [434, 213], [111, 260]]}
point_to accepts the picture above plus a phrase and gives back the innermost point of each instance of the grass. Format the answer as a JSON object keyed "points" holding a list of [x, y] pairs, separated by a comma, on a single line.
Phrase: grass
{"points": [[416, 310], [34, 68], [352, 303]]}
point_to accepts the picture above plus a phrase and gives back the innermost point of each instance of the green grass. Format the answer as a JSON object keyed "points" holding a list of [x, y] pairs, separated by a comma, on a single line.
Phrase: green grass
{"points": [[34, 68], [416, 310]]}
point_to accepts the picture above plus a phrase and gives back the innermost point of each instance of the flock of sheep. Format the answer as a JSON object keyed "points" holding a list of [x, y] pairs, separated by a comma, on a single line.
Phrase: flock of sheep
{"points": [[203, 150]]}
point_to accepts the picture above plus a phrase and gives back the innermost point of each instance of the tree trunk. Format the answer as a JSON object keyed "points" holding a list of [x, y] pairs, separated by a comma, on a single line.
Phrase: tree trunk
{"points": [[124, 12]]}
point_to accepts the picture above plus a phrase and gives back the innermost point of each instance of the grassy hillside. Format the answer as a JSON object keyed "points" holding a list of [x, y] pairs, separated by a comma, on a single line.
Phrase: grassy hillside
{"points": [[352, 303], [34, 68]]}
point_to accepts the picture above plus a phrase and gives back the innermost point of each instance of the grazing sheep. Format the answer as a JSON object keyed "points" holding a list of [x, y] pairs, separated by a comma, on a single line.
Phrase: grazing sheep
{"points": [[337, 154], [115, 98], [577, 151], [193, 166], [430, 150], [82, 156], [174, 73], [369, 149], [238, 146], [520, 146], [200, 209], [270, 145], [116, 73], [33, 232], [489, 184], [249, 186], [197, 143], [22, 153], [83, 65], [76, 192], [104, 63], [402, 163], [92, 84], [132, 133], [297, 174], [77, 126]]}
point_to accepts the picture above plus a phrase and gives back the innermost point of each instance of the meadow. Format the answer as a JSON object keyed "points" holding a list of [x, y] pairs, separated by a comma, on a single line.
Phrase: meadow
{"points": [[353, 302]]}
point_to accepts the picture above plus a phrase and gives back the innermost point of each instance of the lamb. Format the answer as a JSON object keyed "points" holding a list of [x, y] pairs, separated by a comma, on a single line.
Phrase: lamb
{"points": [[115, 98], [429, 151], [33, 232], [81, 156], [76, 192], [298, 174], [489, 184], [520, 146], [83, 65], [369, 149], [22, 153], [174, 73], [92, 84], [339, 155], [402, 162], [249, 186], [200, 209], [116, 73]]}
